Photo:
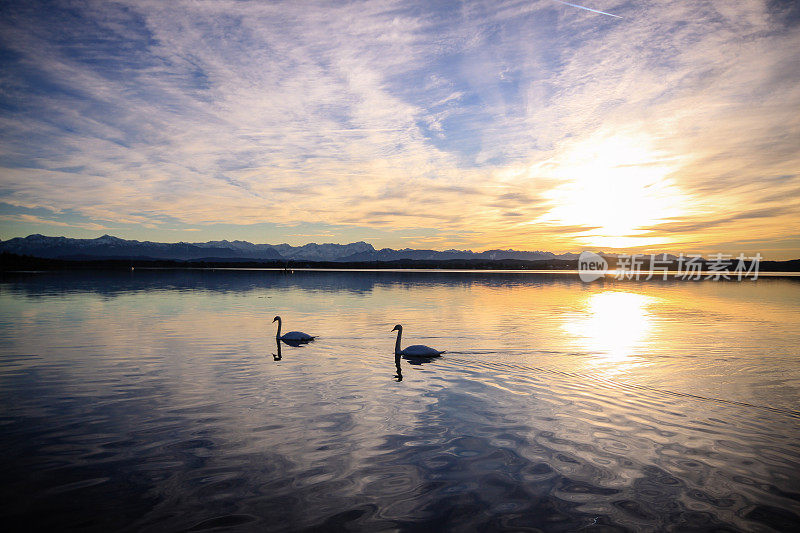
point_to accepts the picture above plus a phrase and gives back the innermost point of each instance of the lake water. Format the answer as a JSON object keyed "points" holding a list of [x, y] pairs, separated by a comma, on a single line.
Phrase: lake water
{"points": [[153, 401]]}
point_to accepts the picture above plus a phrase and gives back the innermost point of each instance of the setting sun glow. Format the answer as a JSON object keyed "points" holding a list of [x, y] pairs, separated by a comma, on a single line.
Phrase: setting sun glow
{"points": [[619, 185]]}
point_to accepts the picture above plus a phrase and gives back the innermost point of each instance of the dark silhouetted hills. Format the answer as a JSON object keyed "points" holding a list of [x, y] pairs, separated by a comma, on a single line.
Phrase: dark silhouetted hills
{"points": [[48, 253]]}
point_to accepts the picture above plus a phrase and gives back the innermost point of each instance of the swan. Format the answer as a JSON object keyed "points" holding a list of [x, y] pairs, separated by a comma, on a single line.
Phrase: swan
{"points": [[292, 336], [417, 350]]}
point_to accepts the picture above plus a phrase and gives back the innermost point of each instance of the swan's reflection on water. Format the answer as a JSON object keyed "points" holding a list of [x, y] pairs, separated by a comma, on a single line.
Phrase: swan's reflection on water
{"points": [[277, 357], [293, 344], [419, 360], [416, 361]]}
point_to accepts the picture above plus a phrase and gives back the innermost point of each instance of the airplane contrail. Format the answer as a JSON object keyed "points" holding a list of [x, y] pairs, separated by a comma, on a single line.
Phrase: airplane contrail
{"points": [[588, 9]]}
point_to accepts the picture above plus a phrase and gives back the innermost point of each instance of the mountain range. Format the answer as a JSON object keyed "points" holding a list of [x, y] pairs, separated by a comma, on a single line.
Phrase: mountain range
{"points": [[109, 247]]}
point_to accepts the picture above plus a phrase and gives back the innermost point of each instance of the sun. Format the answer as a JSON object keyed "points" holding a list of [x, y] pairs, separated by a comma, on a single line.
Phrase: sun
{"points": [[616, 184]]}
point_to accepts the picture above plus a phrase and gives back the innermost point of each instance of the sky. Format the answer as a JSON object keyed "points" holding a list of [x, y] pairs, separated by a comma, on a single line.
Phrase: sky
{"points": [[607, 125]]}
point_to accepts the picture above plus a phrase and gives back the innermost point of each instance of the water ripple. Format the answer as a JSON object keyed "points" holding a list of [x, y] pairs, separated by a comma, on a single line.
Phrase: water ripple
{"points": [[118, 422]]}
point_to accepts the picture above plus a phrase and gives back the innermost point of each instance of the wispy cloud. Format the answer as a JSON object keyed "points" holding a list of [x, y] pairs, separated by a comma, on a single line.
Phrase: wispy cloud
{"points": [[33, 219]]}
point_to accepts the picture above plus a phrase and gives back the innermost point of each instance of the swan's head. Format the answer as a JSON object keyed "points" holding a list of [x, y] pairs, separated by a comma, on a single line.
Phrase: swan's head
{"points": [[277, 318], [398, 327]]}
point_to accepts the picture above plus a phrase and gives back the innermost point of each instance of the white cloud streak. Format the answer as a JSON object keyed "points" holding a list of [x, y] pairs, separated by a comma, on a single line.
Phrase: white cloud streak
{"points": [[588, 9]]}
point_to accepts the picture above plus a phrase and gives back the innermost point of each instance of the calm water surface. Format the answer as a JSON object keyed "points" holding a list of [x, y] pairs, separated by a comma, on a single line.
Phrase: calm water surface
{"points": [[153, 401]]}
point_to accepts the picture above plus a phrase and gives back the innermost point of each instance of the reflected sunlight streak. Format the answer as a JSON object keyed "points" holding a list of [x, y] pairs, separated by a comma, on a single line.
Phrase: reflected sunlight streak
{"points": [[613, 325]]}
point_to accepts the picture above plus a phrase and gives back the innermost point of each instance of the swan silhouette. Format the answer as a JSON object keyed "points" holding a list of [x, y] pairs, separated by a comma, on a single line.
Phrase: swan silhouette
{"points": [[416, 350], [292, 338]]}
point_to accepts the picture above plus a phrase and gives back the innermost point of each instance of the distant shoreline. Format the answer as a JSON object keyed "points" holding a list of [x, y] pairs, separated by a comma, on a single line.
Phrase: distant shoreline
{"points": [[20, 263]]}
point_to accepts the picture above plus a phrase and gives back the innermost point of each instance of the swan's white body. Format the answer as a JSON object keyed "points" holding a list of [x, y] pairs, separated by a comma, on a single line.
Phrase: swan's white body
{"points": [[415, 350], [292, 336]]}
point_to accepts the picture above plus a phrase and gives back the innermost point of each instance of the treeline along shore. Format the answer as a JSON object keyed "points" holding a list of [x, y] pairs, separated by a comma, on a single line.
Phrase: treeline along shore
{"points": [[10, 262]]}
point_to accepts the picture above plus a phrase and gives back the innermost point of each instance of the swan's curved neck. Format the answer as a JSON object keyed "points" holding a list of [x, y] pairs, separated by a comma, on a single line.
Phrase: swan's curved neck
{"points": [[277, 335], [397, 344]]}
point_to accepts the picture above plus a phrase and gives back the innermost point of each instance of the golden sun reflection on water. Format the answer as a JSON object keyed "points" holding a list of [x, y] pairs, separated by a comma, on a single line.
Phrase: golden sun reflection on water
{"points": [[613, 325]]}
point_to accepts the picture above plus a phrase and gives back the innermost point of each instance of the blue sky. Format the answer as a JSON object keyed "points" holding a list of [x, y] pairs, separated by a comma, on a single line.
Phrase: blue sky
{"points": [[532, 124]]}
